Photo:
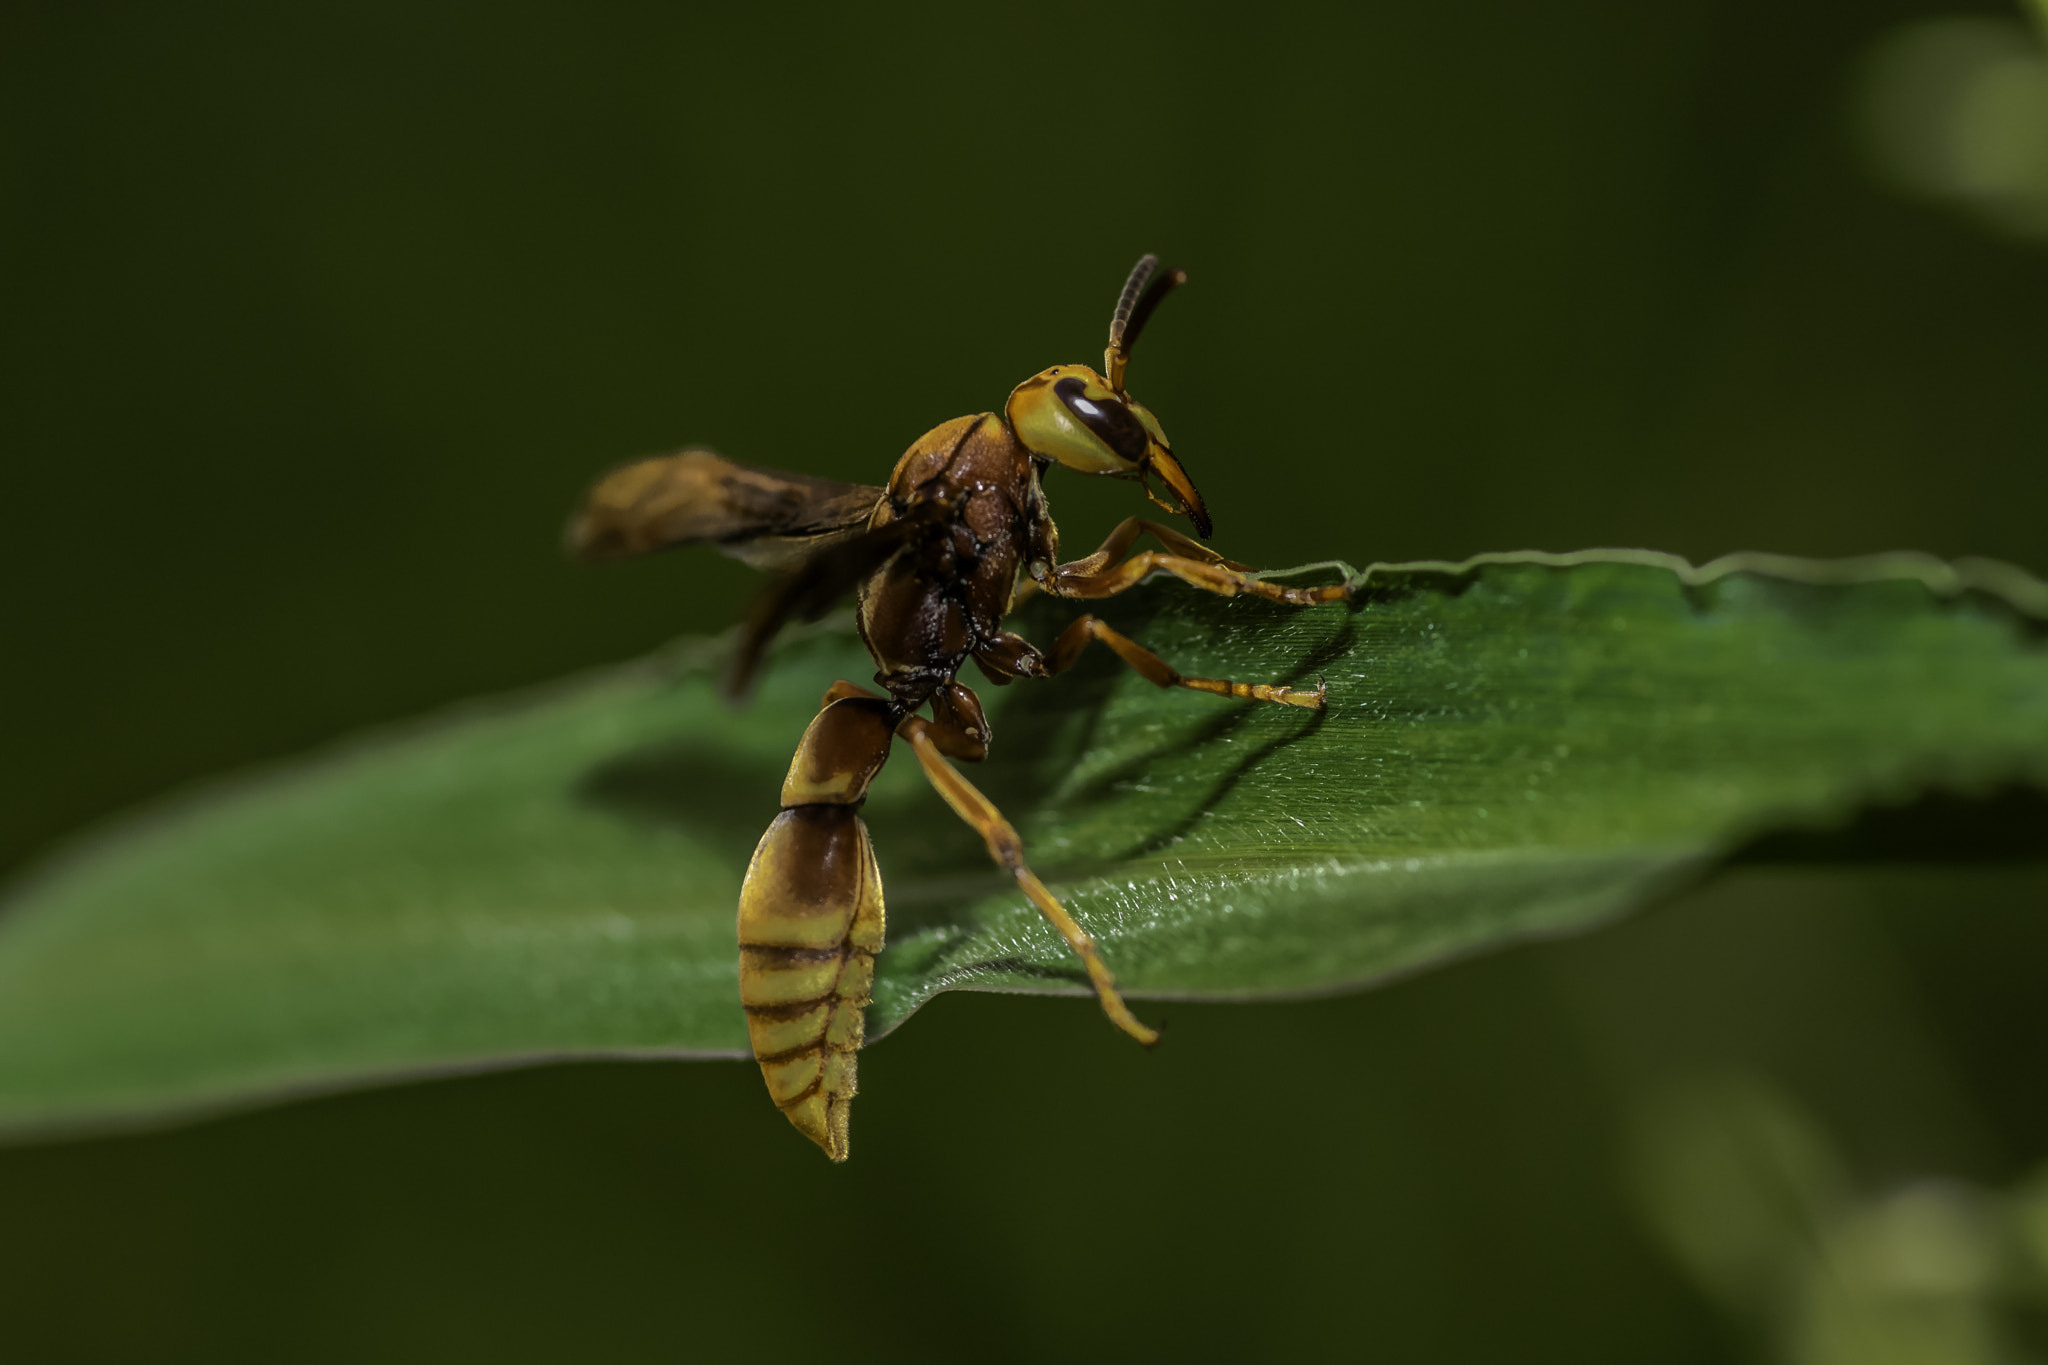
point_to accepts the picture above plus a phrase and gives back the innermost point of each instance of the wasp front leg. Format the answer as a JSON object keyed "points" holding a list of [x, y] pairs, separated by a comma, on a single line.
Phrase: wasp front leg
{"points": [[811, 919], [1118, 543], [959, 730], [1101, 575]]}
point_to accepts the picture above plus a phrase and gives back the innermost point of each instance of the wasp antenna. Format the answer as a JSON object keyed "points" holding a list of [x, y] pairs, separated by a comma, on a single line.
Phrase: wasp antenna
{"points": [[1128, 300], [1142, 293]]}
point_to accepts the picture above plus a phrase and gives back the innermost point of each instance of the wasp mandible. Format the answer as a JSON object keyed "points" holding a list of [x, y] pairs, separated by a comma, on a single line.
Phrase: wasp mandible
{"points": [[937, 559]]}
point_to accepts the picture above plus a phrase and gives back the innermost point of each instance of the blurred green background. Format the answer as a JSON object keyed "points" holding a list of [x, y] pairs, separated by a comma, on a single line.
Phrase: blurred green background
{"points": [[315, 319]]}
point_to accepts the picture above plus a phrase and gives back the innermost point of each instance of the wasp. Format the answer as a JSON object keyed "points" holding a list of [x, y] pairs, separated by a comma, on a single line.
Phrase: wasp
{"points": [[936, 560]]}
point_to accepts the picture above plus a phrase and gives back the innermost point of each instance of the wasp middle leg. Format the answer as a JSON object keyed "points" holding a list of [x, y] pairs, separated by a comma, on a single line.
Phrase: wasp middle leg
{"points": [[957, 729], [1012, 656], [1079, 635]]}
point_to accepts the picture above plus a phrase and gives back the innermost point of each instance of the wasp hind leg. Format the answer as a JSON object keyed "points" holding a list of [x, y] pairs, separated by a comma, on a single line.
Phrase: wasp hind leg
{"points": [[958, 730]]}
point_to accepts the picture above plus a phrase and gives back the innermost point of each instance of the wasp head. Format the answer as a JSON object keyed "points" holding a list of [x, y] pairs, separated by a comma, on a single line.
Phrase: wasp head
{"points": [[1076, 417], [1070, 415]]}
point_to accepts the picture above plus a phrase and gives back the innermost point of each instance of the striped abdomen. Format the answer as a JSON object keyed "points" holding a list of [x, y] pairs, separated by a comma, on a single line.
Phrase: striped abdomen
{"points": [[810, 922]]}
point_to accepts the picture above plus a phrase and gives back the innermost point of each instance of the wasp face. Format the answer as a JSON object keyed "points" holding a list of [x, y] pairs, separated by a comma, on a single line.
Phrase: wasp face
{"points": [[1071, 415]]}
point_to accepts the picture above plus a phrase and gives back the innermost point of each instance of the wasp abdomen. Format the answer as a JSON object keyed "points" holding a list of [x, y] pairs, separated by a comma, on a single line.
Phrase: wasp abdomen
{"points": [[811, 922]]}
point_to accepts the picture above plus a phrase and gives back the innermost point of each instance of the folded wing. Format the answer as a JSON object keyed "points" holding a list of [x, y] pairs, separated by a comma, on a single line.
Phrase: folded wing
{"points": [[765, 517]]}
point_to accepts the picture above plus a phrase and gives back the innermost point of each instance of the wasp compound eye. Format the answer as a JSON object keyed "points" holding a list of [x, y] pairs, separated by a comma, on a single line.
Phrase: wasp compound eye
{"points": [[1111, 420]]}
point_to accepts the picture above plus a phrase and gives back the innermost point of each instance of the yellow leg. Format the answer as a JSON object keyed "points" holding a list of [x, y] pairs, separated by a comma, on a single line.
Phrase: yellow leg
{"points": [[1008, 851], [1066, 581], [1118, 542], [1076, 638]]}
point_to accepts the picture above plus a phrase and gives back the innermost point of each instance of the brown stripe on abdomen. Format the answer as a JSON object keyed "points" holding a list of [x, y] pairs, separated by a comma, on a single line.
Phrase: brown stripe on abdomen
{"points": [[811, 922]]}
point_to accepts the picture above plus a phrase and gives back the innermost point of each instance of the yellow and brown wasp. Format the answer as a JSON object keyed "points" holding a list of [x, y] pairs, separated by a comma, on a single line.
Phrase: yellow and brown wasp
{"points": [[936, 559]]}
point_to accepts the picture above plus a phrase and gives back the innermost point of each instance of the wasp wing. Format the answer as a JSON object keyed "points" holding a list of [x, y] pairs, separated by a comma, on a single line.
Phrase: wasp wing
{"points": [[811, 589], [768, 518]]}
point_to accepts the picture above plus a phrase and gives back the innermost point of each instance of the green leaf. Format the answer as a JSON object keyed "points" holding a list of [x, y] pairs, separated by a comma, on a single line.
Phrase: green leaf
{"points": [[1519, 745]]}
